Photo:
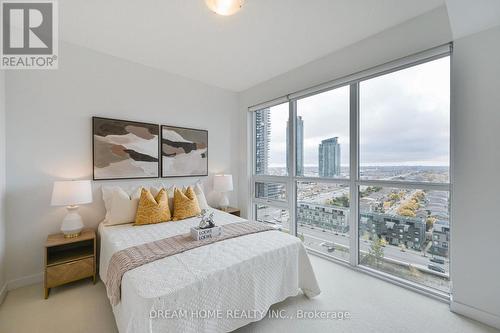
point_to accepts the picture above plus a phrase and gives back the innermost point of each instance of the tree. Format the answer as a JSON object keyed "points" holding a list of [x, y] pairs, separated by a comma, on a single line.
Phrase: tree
{"points": [[426, 248], [376, 252], [342, 201], [429, 223], [404, 211]]}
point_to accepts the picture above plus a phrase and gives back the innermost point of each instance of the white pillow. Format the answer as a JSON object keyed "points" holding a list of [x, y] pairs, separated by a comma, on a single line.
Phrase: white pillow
{"points": [[123, 206], [202, 201], [107, 193], [107, 196]]}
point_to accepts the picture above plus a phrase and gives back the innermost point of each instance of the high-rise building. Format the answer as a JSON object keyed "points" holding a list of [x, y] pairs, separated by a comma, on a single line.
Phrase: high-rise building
{"points": [[300, 146], [262, 140], [329, 158]]}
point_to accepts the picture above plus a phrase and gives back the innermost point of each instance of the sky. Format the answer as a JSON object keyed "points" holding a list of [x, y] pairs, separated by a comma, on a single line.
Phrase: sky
{"points": [[404, 119]]}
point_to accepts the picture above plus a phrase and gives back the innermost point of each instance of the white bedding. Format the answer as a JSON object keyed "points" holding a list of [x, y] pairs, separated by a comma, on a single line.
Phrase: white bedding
{"points": [[248, 273]]}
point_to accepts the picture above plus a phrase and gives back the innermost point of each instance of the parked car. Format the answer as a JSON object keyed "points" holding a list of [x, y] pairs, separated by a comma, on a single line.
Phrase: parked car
{"points": [[330, 248], [436, 268], [437, 260]]}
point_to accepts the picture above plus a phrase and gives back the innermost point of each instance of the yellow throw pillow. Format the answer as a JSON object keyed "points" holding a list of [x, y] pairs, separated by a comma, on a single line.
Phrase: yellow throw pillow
{"points": [[152, 210], [185, 204]]}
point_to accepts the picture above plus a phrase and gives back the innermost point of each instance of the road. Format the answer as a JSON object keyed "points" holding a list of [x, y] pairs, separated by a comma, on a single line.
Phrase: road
{"points": [[314, 237]]}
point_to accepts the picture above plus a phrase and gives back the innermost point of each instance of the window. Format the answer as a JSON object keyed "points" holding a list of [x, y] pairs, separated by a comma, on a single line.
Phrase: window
{"points": [[404, 122], [323, 218], [359, 170], [323, 134], [271, 138], [322, 152], [394, 229], [404, 137], [271, 191], [273, 215]]}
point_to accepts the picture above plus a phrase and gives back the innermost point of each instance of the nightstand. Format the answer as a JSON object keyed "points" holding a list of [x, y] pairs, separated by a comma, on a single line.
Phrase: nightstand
{"points": [[232, 210], [69, 259]]}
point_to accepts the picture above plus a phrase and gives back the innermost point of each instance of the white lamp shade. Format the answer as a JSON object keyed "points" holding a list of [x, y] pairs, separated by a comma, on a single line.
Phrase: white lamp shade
{"points": [[223, 183], [71, 192]]}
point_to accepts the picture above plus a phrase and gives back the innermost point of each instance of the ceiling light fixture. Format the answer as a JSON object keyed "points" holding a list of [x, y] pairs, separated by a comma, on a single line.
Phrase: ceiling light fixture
{"points": [[224, 7]]}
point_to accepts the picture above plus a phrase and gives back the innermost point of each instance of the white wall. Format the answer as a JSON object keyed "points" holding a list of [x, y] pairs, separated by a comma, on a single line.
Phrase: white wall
{"points": [[2, 186], [49, 137], [475, 232], [424, 32]]}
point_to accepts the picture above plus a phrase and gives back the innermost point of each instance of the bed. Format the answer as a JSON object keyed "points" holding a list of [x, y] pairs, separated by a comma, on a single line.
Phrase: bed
{"points": [[214, 288]]}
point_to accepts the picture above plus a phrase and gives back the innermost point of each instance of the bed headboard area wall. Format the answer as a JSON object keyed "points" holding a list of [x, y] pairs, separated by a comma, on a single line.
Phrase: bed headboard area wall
{"points": [[57, 106]]}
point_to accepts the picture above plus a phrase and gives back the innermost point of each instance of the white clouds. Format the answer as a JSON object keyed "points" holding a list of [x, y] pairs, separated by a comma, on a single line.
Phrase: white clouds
{"points": [[404, 119], [325, 116], [404, 116]]}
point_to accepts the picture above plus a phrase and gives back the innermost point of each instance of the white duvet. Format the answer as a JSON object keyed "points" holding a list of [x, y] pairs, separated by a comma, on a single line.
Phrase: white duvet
{"points": [[215, 288]]}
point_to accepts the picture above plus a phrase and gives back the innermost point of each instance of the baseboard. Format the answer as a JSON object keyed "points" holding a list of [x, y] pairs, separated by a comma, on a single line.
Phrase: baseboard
{"points": [[476, 314], [24, 281], [3, 293]]}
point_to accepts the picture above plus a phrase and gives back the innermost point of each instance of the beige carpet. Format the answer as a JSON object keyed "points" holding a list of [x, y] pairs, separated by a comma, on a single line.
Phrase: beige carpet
{"points": [[375, 305]]}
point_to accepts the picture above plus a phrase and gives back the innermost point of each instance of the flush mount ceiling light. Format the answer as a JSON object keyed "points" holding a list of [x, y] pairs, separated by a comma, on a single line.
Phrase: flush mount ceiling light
{"points": [[224, 7]]}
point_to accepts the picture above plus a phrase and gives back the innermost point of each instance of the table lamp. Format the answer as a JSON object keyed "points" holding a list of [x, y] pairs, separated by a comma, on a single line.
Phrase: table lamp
{"points": [[223, 184], [71, 193]]}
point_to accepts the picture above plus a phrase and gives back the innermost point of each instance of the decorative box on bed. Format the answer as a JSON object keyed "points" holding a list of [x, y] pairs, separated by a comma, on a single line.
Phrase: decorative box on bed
{"points": [[199, 234]]}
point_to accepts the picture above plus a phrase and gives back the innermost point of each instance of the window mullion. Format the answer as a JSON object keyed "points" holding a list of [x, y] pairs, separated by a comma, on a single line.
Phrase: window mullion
{"points": [[270, 202], [252, 150], [406, 184], [354, 173], [292, 166]]}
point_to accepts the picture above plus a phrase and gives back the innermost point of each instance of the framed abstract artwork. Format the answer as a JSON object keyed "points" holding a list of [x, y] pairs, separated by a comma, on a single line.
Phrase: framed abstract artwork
{"points": [[124, 149], [184, 152]]}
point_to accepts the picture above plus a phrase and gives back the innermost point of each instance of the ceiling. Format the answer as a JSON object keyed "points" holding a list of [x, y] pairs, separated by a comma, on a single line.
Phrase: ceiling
{"points": [[467, 17], [265, 39]]}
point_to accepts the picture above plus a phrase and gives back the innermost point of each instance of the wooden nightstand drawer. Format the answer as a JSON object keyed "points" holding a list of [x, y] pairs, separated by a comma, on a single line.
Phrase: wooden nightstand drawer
{"points": [[68, 272]]}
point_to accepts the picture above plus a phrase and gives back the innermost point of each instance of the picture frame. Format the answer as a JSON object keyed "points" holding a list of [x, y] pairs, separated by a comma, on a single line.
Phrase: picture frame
{"points": [[183, 151], [125, 149]]}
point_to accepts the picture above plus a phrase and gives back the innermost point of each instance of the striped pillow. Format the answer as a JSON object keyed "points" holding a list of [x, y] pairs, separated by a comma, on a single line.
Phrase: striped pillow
{"points": [[185, 204], [152, 210]]}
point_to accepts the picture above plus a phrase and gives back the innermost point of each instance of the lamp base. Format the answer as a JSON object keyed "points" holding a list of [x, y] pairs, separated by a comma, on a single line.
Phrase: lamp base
{"points": [[76, 234], [72, 223], [224, 201]]}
